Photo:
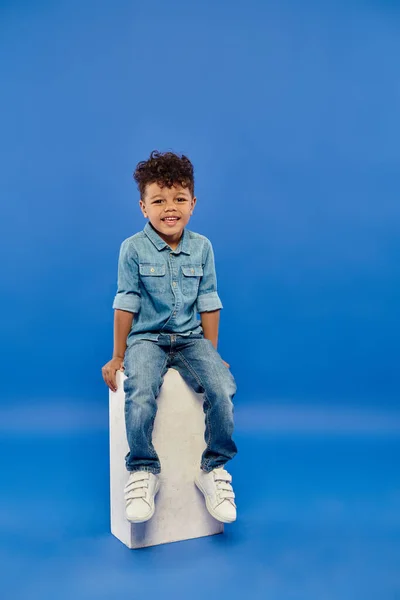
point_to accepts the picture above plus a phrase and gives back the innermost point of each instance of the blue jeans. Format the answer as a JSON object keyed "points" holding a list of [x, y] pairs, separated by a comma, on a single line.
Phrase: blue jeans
{"points": [[146, 362]]}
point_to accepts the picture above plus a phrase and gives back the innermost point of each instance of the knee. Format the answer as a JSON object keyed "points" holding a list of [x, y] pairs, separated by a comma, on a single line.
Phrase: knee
{"points": [[229, 382], [224, 387]]}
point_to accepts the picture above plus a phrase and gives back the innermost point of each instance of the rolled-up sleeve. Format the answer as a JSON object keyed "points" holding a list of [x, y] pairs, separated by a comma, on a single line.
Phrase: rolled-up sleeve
{"points": [[207, 298], [128, 292]]}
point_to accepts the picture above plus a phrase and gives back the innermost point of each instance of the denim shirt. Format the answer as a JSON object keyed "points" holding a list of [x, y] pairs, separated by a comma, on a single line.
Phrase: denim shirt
{"points": [[166, 288]]}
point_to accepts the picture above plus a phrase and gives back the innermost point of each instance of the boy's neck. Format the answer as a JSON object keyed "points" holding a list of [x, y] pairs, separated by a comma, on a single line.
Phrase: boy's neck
{"points": [[172, 241]]}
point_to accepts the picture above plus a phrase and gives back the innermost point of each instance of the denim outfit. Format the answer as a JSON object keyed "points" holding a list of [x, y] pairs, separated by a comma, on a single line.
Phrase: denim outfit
{"points": [[165, 289]]}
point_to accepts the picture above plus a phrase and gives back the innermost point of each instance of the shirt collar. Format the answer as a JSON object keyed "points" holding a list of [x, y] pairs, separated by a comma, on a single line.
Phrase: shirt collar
{"points": [[160, 244]]}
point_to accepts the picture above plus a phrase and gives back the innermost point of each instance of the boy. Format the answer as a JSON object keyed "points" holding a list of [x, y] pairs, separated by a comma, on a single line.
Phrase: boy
{"points": [[166, 275]]}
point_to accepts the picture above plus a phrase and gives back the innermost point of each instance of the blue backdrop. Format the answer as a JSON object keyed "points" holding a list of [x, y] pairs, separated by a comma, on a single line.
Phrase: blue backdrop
{"points": [[289, 112]]}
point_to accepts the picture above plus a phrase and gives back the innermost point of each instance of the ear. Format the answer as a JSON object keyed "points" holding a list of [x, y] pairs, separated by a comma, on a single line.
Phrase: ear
{"points": [[194, 200], [143, 208]]}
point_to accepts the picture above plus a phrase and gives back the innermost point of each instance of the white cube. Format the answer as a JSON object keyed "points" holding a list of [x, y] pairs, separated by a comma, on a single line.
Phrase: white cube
{"points": [[178, 438]]}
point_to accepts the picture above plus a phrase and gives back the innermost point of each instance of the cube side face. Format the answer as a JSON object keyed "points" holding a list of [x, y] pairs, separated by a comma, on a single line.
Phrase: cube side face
{"points": [[120, 527], [178, 438]]}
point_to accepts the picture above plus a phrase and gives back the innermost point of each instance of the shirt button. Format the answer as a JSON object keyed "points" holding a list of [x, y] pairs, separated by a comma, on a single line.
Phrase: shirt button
{"points": [[192, 270], [151, 270], [174, 283]]}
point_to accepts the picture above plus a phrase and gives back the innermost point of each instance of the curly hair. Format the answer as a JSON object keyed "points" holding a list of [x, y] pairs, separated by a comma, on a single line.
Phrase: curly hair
{"points": [[166, 169]]}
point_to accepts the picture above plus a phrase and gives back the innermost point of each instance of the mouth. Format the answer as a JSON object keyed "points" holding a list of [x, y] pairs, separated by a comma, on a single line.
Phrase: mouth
{"points": [[170, 220]]}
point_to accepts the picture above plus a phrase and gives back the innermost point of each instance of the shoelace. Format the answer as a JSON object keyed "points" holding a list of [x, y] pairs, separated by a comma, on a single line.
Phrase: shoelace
{"points": [[225, 491], [137, 486]]}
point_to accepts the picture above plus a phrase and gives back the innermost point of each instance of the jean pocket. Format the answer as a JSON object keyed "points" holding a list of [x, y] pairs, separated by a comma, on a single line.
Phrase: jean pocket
{"points": [[191, 275], [153, 276]]}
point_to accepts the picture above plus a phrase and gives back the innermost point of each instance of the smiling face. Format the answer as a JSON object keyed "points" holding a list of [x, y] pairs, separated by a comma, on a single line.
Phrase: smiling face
{"points": [[168, 209]]}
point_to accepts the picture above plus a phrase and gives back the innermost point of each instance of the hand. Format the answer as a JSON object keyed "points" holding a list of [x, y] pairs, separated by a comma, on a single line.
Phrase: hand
{"points": [[109, 372], [226, 364]]}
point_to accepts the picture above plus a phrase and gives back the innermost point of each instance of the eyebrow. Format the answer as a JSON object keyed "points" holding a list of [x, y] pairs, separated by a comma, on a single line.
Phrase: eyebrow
{"points": [[158, 195]]}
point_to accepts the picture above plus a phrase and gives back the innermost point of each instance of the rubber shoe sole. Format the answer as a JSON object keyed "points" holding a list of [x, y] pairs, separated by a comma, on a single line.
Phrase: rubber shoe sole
{"points": [[209, 507]]}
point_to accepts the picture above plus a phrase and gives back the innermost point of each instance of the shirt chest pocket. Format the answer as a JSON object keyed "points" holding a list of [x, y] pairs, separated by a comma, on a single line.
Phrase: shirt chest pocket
{"points": [[191, 275], [153, 276]]}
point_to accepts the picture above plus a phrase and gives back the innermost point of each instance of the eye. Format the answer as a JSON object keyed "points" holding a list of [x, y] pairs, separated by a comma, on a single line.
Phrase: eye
{"points": [[157, 201], [181, 199]]}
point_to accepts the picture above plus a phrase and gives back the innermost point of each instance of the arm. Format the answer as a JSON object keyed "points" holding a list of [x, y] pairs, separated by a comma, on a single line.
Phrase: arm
{"points": [[122, 326], [210, 324], [127, 299], [126, 304], [208, 302], [207, 296]]}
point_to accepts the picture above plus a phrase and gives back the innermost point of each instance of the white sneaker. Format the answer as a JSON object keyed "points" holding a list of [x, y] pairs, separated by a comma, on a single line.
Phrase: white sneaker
{"points": [[140, 490], [218, 492]]}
